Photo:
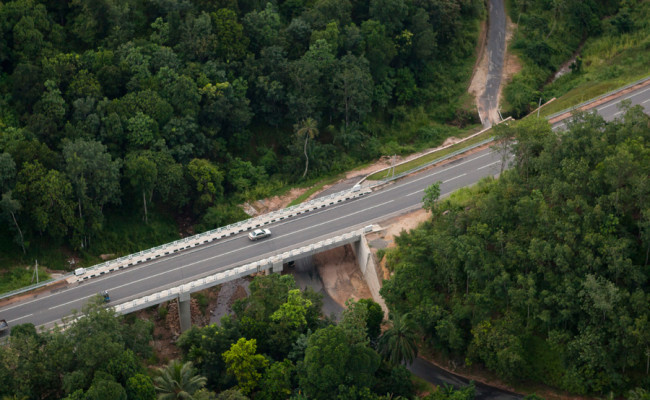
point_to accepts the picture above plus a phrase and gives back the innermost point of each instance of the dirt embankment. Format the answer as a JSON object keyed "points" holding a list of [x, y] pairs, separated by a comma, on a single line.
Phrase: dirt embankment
{"points": [[512, 65]]}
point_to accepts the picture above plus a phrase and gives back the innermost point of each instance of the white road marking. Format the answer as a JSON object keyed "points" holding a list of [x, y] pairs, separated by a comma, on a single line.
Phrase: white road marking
{"points": [[238, 237], [455, 177], [438, 172], [624, 98], [239, 249], [411, 194], [18, 319], [73, 301], [485, 166]]}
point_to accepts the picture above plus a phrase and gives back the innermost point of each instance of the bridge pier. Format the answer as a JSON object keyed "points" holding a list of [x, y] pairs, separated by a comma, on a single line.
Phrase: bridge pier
{"points": [[363, 254], [184, 312], [277, 266]]}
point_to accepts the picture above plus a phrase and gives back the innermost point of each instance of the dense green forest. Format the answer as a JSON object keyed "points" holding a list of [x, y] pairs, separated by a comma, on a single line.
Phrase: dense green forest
{"points": [[615, 35], [277, 345], [542, 275], [121, 108]]}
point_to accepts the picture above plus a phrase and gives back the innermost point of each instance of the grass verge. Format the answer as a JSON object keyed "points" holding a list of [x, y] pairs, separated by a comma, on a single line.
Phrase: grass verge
{"points": [[20, 276], [315, 188], [583, 93], [420, 161]]}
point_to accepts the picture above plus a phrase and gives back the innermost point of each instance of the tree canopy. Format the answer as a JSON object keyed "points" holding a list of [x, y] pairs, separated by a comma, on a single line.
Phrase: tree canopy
{"points": [[542, 274]]}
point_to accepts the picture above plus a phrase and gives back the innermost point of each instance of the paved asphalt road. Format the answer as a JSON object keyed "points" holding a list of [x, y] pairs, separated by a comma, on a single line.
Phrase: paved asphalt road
{"points": [[611, 109], [394, 199], [431, 373], [496, 45]]}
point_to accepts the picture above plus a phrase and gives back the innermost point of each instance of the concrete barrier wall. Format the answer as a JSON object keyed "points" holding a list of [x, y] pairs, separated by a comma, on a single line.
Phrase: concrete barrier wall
{"points": [[235, 272], [207, 237]]}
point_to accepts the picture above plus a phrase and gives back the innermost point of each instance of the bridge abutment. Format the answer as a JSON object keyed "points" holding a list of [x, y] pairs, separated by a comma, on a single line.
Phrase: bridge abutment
{"points": [[368, 269]]}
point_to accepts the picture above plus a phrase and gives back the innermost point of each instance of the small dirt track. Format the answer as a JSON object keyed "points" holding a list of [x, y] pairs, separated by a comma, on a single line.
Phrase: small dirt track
{"points": [[488, 101]]}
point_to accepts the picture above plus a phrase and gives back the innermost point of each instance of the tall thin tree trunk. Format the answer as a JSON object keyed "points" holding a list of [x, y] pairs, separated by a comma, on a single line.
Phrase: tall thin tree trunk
{"points": [[144, 201], [80, 214], [22, 239], [306, 156]]}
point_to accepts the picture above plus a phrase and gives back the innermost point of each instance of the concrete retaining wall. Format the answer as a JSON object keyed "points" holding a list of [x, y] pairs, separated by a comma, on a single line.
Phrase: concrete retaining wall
{"points": [[370, 271]]}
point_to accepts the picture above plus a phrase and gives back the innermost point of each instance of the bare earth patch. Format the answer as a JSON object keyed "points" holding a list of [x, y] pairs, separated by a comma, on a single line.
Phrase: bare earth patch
{"points": [[512, 65], [273, 203], [479, 76], [341, 276]]}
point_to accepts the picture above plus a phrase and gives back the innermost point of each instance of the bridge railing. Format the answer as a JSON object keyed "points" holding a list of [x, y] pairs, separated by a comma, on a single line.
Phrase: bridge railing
{"points": [[215, 234], [199, 239], [235, 272]]}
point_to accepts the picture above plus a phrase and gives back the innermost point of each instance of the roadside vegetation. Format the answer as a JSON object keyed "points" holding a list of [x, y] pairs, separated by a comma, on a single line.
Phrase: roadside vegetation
{"points": [[276, 345], [122, 123], [543, 275], [613, 39], [433, 156]]}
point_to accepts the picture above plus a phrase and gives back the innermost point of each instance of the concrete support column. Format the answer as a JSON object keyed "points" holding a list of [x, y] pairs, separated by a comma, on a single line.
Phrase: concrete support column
{"points": [[184, 313], [362, 253], [277, 266]]}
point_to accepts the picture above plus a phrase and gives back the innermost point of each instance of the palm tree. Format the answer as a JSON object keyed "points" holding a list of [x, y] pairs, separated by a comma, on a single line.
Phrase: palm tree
{"points": [[178, 381], [398, 343], [309, 129]]}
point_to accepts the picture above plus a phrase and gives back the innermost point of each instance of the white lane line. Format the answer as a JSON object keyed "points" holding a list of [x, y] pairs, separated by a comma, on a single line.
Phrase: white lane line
{"points": [[18, 319], [239, 249], [617, 113], [645, 101], [436, 173], [411, 194], [313, 213], [455, 177], [278, 223], [237, 237], [24, 304], [624, 98], [202, 260], [73, 301], [485, 166]]}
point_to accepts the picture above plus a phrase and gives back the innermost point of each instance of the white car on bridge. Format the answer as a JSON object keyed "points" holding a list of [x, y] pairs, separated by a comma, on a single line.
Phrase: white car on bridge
{"points": [[259, 234]]}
